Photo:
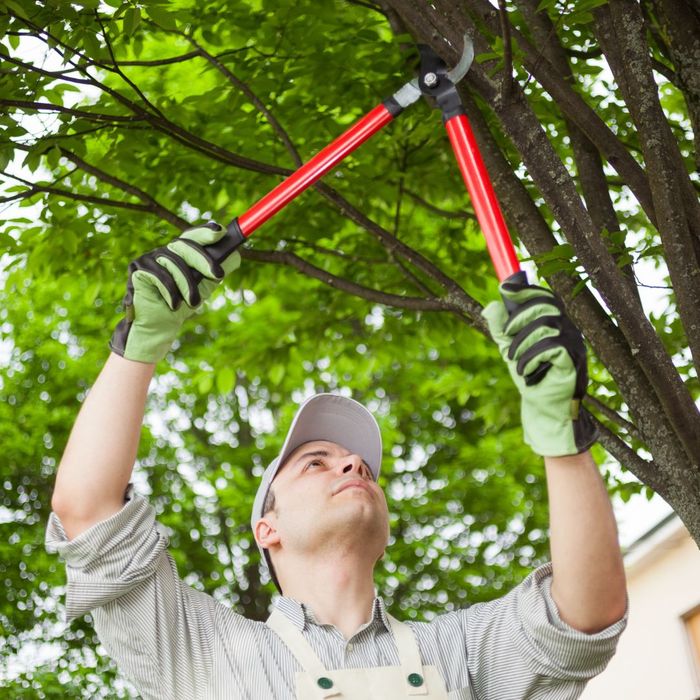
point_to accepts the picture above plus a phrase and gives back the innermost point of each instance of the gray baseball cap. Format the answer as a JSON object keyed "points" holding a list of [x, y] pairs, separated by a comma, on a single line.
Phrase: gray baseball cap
{"points": [[323, 417]]}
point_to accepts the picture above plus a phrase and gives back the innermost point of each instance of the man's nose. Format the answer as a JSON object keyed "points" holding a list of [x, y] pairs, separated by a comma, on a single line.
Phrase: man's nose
{"points": [[351, 464]]}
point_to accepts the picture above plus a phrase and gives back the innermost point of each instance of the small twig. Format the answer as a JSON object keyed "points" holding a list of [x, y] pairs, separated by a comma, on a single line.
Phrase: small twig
{"points": [[44, 189], [614, 416], [579, 53], [121, 74], [648, 472], [337, 253], [163, 61], [48, 73], [667, 72], [411, 276], [437, 210]]}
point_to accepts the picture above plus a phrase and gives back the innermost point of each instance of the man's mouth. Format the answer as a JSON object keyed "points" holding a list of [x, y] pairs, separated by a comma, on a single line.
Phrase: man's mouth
{"points": [[350, 484]]}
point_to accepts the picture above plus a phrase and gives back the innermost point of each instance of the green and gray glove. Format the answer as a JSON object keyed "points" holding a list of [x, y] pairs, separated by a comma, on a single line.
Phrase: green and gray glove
{"points": [[186, 270], [546, 358]]}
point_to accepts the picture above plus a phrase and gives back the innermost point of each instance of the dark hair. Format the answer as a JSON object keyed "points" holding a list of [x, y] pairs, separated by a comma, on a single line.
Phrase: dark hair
{"points": [[269, 503]]}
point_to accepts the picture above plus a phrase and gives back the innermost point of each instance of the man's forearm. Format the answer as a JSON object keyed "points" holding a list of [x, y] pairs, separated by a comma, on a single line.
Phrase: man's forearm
{"points": [[98, 460], [589, 578]]}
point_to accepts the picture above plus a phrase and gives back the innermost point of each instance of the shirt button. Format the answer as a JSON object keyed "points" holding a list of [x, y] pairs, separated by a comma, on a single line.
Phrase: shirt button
{"points": [[415, 679], [349, 647]]}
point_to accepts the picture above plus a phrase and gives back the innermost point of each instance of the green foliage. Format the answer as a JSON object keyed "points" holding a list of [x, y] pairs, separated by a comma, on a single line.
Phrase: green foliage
{"points": [[164, 140]]}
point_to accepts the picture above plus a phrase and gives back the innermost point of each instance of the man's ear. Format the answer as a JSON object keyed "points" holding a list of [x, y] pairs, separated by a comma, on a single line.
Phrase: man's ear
{"points": [[266, 534]]}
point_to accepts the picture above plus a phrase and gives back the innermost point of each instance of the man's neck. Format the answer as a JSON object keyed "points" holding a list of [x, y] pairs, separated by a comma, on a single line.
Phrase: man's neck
{"points": [[340, 592]]}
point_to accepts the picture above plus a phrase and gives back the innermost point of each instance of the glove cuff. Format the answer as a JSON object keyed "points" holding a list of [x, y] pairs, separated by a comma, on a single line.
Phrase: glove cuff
{"points": [[559, 437]]}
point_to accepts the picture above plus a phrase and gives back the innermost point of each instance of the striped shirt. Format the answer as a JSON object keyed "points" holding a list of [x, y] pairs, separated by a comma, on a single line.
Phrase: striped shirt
{"points": [[174, 642]]}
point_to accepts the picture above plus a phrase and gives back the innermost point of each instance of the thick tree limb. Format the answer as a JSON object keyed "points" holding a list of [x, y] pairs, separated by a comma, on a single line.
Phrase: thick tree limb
{"points": [[681, 24], [573, 106], [507, 80], [589, 165], [669, 181]]}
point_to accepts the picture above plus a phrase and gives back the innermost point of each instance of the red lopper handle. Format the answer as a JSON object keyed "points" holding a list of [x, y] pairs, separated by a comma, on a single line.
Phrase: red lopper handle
{"points": [[318, 166], [486, 207]]}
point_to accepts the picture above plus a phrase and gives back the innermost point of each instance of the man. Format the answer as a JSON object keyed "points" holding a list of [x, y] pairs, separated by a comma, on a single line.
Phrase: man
{"points": [[321, 521]]}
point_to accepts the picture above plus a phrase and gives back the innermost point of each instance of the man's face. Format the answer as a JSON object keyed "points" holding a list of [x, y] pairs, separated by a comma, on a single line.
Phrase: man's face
{"points": [[325, 497]]}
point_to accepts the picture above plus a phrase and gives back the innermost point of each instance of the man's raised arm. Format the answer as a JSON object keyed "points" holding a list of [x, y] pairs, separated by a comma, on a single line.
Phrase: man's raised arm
{"points": [[97, 462], [162, 291], [546, 358]]}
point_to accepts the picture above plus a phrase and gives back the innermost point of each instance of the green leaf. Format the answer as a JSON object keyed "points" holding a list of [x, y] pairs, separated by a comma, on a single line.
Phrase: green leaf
{"points": [[276, 374], [161, 17], [225, 380], [132, 17], [205, 384], [17, 8]]}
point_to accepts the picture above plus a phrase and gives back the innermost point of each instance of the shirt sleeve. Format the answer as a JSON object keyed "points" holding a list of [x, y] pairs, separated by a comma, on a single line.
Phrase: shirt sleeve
{"points": [[520, 640], [157, 629]]}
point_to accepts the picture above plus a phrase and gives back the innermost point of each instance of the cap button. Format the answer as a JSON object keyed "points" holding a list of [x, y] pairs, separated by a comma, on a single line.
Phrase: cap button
{"points": [[327, 683], [415, 679]]}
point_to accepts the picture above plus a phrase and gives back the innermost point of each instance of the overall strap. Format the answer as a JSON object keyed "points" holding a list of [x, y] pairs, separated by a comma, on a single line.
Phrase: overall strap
{"points": [[302, 651], [409, 658]]}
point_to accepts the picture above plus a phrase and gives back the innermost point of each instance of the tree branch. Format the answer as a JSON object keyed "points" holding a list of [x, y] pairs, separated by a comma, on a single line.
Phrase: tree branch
{"points": [[507, 81], [614, 416], [121, 74], [161, 123], [54, 74], [36, 188], [337, 253], [152, 205], [589, 165], [455, 294], [374, 295], [554, 182], [674, 198], [463, 215], [254, 99], [164, 61], [91, 116], [646, 472]]}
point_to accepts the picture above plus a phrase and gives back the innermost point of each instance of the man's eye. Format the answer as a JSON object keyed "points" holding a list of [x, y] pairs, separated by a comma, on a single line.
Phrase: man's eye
{"points": [[314, 463]]}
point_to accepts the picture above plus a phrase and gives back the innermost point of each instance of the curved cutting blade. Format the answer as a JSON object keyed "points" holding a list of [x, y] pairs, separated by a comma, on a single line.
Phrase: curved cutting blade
{"points": [[460, 70]]}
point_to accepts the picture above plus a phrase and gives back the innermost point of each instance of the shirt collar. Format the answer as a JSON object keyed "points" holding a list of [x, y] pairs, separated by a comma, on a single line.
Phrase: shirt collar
{"points": [[301, 615]]}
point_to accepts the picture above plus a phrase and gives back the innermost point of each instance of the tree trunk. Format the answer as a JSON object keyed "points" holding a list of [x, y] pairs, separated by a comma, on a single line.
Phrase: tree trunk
{"points": [[662, 408]]}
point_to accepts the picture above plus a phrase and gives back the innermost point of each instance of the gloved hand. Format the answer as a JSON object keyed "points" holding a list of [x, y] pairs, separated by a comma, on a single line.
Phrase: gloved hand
{"points": [[546, 358], [161, 280]]}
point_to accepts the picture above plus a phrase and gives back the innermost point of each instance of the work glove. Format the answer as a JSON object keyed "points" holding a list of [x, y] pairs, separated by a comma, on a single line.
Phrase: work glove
{"points": [[166, 286], [546, 357]]}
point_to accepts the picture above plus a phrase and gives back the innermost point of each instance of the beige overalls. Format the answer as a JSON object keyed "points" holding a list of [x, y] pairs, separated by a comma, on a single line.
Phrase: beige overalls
{"points": [[409, 681]]}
